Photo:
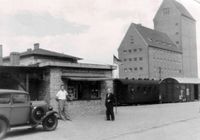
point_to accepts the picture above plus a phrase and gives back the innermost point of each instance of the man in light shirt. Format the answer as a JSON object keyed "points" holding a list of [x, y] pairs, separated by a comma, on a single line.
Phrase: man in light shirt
{"points": [[61, 97]]}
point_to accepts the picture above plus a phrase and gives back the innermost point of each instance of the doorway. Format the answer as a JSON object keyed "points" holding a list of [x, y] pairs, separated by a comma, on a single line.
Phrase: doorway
{"points": [[196, 92]]}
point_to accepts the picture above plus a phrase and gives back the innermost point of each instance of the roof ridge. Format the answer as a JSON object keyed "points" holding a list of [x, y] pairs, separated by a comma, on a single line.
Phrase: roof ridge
{"points": [[156, 38], [181, 8]]}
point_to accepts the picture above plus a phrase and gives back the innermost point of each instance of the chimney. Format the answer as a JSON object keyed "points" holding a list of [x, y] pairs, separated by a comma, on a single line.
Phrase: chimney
{"points": [[14, 58], [36, 46], [1, 54], [29, 50]]}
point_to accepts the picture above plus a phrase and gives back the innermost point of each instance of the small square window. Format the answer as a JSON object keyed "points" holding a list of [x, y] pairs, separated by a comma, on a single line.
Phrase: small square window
{"points": [[140, 49], [135, 68], [135, 50], [124, 51], [130, 69], [177, 33], [135, 59], [140, 58], [130, 59], [141, 68], [177, 42], [125, 69], [129, 51], [124, 60], [166, 11]]}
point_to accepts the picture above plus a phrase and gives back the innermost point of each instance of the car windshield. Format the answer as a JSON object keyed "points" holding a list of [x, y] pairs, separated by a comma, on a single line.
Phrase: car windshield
{"points": [[4, 98]]}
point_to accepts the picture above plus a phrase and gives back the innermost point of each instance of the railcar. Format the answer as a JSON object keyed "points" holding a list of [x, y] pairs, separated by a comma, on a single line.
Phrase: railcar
{"points": [[130, 92]]}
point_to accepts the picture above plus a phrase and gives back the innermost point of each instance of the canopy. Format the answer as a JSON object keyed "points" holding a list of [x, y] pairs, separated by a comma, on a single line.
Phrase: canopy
{"points": [[184, 80]]}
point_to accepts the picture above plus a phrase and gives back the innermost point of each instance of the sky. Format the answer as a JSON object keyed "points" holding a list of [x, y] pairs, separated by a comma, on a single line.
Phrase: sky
{"points": [[90, 29]]}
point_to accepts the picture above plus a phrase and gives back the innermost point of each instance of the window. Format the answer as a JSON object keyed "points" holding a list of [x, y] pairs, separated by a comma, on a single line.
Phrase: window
{"points": [[135, 59], [20, 98], [84, 90], [125, 69], [124, 51], [166, 11], [72, 91], [135, 50], [130, 69], [176, 24], [141, 68], [177, 33], [124, 60], [130, 59], [135, 68], [129, 51], [140, 49], [177, 42], [140, 58], [4, 99]]}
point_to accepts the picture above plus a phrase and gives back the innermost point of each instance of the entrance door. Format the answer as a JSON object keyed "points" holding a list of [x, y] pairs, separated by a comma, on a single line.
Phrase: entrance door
{"points": [[20, 109], [196, 92]]}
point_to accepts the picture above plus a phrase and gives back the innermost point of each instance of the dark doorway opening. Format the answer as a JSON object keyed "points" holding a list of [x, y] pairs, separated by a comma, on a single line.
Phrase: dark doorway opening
{"points": [[196, 92]]}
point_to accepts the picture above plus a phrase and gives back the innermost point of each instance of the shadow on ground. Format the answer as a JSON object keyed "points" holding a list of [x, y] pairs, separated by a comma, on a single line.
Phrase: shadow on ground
{"points": [[23, 131]]}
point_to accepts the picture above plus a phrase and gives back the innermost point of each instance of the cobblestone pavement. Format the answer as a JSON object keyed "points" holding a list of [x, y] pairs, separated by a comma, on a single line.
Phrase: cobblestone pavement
{"points": [[152, 122]]}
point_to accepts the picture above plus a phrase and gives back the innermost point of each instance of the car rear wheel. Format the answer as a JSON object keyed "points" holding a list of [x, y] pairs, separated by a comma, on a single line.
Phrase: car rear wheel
{"points": [[3, 128], [50, 123]]}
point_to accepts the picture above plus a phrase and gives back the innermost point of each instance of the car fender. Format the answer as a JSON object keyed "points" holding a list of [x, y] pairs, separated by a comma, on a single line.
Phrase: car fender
{"points": [[6, 120], [50, 113]]}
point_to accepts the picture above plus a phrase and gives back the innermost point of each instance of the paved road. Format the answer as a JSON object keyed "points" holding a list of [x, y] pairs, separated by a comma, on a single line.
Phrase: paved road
{"points": [[152, 122]]}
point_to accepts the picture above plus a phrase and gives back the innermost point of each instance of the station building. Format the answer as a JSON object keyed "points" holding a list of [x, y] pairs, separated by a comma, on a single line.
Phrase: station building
{"points": [[41, 72]]}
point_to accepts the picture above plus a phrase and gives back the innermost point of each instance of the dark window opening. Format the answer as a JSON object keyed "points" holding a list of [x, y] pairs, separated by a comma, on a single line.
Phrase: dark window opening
{"points": [[84, 90], [4, 99]]}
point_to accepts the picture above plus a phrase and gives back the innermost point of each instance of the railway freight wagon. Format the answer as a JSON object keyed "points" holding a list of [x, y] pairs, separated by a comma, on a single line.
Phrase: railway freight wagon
{"points": [[136, 91], [179, 89]]}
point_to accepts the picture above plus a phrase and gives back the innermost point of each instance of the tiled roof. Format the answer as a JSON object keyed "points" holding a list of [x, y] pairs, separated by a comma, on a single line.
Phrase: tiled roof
{"points": [[43, 52], [183, 10], [156, 39]]}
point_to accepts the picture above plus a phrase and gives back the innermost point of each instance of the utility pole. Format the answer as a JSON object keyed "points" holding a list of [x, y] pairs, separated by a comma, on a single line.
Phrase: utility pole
{"points": [[160, 72]]}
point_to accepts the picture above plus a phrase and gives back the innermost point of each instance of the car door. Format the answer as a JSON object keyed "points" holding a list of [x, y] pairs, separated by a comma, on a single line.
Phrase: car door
{"points": [[5, 105], [20, 109]]}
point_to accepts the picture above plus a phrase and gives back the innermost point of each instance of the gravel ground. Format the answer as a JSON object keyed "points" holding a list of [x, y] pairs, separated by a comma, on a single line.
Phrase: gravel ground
{"points": [[156, 122]]}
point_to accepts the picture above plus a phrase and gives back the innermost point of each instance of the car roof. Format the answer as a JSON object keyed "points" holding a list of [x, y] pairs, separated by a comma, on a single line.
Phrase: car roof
{"points": [[11, 91]]}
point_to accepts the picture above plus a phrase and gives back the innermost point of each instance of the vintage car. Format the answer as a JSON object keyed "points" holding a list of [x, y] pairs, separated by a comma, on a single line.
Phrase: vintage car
{"points": [[16, 109]]}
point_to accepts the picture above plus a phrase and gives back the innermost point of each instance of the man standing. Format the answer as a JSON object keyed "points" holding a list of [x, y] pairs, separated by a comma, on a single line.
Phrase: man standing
{"points": [[109, 105], [61, 97]]}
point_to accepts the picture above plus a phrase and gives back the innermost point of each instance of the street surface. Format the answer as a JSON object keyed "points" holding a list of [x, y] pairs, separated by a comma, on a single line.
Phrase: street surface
{"points": [[179, 121]]}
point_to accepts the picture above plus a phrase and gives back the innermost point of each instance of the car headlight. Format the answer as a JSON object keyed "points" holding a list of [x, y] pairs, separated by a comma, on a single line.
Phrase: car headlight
{"points": [[50, 108]]}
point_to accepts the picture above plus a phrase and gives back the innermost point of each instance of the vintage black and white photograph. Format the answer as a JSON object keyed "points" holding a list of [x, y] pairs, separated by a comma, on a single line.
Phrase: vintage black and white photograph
{"points": [[99, 69]]}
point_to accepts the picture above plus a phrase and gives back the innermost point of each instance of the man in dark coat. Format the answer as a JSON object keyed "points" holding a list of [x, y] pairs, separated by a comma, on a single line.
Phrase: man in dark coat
{"points": [[109, 105]]}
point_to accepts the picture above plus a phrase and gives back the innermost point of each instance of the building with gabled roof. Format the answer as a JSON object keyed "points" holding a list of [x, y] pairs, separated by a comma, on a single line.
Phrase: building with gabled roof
{"points": [[149, 54], [168, 50], [174, 19], [38, 55]]}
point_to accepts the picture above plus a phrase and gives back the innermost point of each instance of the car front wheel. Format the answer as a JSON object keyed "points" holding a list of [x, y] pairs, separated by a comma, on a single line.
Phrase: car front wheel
{"points": [[50, 123], [3, 128]]}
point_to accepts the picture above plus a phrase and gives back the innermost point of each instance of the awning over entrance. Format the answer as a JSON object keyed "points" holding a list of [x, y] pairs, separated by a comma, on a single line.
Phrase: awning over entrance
{"points": [[87, 78], [184, 80]]}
